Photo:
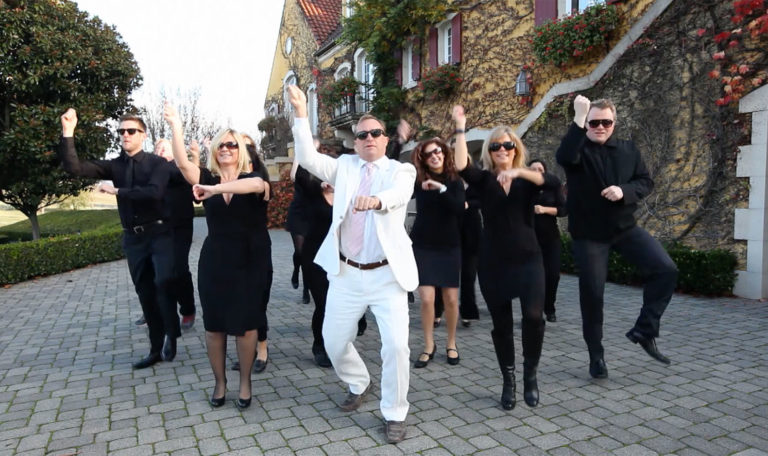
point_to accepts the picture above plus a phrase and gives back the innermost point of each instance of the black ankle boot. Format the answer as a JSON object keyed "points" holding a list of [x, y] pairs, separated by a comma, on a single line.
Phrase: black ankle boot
{"points": [[530, 385], [505, 353]]}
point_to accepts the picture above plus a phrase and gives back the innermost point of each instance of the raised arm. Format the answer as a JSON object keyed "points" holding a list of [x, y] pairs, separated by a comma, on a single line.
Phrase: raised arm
{"points": [[319, 165], [190, 171], [460, 153], [68, 156], [570, 147], [194, 152]]}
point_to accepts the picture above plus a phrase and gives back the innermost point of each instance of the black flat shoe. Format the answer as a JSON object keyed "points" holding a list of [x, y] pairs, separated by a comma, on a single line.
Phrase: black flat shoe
{"points": [[242, 404], [149, 360], [169, 348], [452, 361], [466, 323], [551, 318], [437, 322], [322, 360], [295, 279], [648, 344], [419, 363], [259, 365]]}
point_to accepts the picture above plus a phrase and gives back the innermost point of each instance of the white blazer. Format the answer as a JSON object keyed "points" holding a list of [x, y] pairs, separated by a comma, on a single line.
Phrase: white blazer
{"points": [[395, 191]]}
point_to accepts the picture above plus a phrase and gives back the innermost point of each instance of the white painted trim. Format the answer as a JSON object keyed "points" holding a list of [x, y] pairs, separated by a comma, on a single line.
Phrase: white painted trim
{"points": [[329, 54], [591, 79], [750, 222]]}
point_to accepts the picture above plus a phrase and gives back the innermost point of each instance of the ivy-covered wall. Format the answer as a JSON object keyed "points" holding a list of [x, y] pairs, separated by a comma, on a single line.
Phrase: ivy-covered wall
{"points": [[666, 104]]}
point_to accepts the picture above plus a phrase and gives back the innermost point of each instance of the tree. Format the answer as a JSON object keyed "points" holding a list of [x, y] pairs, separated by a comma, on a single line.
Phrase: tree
{"points": [[196, 125], [52, 57]]}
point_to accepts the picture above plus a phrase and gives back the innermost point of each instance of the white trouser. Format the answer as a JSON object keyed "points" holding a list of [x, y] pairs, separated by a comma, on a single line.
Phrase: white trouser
{"points": [[349, 294]]}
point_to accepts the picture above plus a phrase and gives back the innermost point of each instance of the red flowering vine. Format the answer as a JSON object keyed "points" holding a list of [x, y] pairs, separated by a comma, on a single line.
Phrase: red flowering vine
{"points": [[740, 58]]}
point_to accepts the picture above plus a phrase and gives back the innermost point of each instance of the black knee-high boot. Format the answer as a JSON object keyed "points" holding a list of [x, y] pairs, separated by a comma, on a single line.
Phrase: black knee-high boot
{"points": [[533, 339], [505, 353]]}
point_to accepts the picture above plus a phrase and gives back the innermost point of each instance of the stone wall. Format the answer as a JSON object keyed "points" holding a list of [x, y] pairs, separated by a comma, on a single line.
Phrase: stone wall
{"points": [[665, 103]]}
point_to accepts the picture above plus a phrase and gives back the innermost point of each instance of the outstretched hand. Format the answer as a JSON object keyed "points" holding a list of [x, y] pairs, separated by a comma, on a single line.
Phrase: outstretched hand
{"points": [[431, 184], [506, 177], [68, 123], [403, 131], [298, 100]]}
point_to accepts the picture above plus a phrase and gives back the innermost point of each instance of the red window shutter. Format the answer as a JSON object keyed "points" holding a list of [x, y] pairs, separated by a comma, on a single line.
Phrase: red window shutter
{"points": [[456, 38], [544, 10], [416, 60], [433, 48], [399, 67]]}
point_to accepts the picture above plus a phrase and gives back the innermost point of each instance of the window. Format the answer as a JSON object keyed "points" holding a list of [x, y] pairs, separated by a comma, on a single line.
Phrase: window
{"points": [[312, 108], [345, 107], [408, 65], [445, 42], [570, 6], [349, 8], [364, 73], [289, 79]]}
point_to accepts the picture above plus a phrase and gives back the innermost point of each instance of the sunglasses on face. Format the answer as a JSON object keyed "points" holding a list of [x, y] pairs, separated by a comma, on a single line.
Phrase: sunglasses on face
{"points": [[131, 131], [228, 145], [606, 123], [362, 135], [425, 155], [495, 147]]}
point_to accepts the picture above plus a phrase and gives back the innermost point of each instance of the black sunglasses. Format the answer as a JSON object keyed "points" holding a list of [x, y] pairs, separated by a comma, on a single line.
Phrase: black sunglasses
{"points": [[362, 135], [495, 147], [131, 131], [606, 123], [228, 145], [425, 155]]}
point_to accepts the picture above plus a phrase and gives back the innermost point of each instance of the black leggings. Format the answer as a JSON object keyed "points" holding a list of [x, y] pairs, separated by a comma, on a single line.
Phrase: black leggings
{"points": [[550, 252], [500, 282]]}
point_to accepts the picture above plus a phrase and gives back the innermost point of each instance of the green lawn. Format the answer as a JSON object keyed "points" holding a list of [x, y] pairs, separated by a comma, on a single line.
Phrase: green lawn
{"points": [[64, 222]]}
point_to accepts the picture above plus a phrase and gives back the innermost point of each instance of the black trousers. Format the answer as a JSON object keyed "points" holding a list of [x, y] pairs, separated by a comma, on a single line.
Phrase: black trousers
{"points": [[267, 289], [646, 253], [467, 302], [150, 262], [184, 291], [500, 282], [550, 253]]}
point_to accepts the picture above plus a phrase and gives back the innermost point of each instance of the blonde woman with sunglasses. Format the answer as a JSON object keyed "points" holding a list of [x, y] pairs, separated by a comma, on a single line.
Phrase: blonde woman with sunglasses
{"points": [[510, 262]]}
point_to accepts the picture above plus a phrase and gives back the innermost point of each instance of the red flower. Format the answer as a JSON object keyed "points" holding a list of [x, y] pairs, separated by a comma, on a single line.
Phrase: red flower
{"points": [[733, 44], [714, 74], [722, 36], [701, 31], [743, 69], [719, 55]]}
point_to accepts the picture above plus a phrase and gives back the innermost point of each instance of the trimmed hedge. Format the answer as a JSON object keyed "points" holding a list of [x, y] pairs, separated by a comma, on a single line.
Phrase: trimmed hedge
{"points": [[706, 272], [20, 261]]}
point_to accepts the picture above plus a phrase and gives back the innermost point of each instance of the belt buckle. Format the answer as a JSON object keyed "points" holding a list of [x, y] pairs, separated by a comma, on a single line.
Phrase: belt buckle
{"points": [[138, 229]]}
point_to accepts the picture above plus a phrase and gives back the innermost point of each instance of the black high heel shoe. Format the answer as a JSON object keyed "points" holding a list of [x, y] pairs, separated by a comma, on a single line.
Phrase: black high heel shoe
{"points": [[420, 363], [242, 404], [218, 401]]}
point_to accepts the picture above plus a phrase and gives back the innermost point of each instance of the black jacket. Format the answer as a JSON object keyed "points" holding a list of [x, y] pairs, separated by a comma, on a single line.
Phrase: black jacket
{"points": [[591, 167]]}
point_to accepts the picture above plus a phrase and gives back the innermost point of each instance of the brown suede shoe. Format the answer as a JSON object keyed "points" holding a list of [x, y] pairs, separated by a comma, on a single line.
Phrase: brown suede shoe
{"points": [[395, 431], [354, 401]]}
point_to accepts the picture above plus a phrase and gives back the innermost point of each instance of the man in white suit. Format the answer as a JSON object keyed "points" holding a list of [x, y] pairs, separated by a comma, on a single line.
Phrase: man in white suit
{"points": [[368, 257]]}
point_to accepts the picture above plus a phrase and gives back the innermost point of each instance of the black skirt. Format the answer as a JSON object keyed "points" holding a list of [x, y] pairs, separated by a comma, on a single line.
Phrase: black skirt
{"points": [[438, 267]]}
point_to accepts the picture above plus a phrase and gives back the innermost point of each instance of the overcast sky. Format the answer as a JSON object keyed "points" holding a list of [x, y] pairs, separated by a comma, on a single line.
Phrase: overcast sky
{"points": [[222, 47]]}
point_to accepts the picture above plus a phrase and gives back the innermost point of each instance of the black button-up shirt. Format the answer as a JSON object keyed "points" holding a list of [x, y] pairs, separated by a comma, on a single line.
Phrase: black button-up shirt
{"points": [[139, 203]]}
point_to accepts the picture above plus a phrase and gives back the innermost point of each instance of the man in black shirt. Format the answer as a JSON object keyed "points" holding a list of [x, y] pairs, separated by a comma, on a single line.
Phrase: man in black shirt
{"points": [[606, 179], [139, 182]]}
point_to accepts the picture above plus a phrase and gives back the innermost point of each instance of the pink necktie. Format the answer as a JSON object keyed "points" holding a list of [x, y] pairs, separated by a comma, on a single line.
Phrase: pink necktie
{"points": [[353, 236]]}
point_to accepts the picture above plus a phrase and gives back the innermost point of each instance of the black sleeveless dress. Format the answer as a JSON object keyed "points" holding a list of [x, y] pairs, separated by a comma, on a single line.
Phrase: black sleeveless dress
{"points": [[234, 261]]}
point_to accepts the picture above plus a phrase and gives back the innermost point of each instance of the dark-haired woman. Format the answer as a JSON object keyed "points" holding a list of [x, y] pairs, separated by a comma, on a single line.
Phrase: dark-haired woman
{"points": [[510, 263], [439, 194], [550, 204]]}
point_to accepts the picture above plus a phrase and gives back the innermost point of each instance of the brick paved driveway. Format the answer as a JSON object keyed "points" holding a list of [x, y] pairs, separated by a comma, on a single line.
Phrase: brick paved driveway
{"points": [[66, 385]]}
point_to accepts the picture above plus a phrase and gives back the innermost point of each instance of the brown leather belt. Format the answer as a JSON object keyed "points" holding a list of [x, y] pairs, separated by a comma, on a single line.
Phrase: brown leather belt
{"points": [[366, 266]]}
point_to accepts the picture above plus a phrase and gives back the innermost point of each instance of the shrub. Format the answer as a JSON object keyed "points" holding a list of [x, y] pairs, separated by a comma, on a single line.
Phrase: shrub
{"points": [[440, 82], [281, 197], [21, 260], [333, 93], [63, 222], [707, 272], [559, 41]]}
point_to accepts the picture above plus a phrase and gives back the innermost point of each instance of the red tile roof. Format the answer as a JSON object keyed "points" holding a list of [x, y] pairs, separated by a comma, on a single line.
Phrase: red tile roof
{"points": [[323, 16]]}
